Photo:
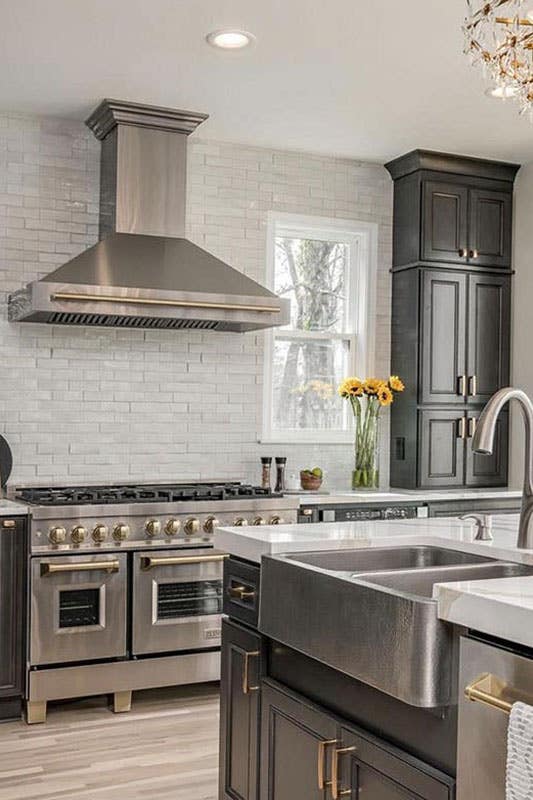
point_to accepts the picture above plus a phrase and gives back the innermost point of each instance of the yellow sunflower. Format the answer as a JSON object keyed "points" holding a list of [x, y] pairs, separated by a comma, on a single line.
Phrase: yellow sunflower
{"points": [[372, 386], [351, 387], [396, 384], [385, 395]]}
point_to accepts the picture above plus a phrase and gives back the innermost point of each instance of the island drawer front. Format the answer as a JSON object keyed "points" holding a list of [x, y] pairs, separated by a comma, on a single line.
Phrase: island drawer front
{"points": [[482, 729], [241, 591]]}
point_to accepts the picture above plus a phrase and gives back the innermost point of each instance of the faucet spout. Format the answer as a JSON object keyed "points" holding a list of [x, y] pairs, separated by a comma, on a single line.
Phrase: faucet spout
{"points": [[483, 442]]}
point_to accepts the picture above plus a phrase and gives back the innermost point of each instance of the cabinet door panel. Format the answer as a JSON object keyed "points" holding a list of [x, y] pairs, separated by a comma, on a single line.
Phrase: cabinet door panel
{"points": [[490, 470], [443, 345], [445, 222], [489, 331], [490, 228], [291, 733], [380, 771], [441, 448], [12, 613], [239, 714]]}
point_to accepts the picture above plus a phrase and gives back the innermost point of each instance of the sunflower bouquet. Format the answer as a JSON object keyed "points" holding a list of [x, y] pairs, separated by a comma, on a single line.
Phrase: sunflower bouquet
{"points": [[367, 398]]}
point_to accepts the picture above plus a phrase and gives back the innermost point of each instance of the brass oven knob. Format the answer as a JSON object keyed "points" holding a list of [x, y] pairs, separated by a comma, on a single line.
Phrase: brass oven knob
{"points": [[58, 534], [259, 521], [240, 522], [121, 532], [99, 533], [78, 534], [192, 526], [275, 520], [153, 527], [210, 524], [172, 527]]}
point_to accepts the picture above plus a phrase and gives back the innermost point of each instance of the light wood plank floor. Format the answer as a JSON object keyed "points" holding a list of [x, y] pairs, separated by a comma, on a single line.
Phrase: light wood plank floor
{"points": [[165, 747]]}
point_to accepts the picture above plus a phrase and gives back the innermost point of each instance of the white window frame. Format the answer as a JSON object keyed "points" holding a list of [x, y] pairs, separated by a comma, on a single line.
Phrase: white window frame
{"points": [[361, 298]]}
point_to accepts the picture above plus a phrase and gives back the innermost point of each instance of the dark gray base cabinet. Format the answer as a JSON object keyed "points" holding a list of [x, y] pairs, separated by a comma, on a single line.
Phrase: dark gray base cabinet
{"points": [[240, 702], [308, 754], [12, 615]]}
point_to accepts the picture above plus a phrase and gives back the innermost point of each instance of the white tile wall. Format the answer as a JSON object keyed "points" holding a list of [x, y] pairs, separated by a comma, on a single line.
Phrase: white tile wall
{"points": [[89, 404]]}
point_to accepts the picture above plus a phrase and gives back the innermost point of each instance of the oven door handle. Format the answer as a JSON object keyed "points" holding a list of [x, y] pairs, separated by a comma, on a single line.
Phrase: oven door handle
{"points": [[149, 562], [49, 568]]}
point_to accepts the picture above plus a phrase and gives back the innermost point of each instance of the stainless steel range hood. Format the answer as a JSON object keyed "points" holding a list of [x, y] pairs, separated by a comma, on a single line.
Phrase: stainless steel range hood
{"points": [[143, 273]]}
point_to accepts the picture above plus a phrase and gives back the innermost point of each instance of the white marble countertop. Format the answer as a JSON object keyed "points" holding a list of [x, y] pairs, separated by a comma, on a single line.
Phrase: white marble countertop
{"points": [[11, 508], [405, 496], [501, 607]]}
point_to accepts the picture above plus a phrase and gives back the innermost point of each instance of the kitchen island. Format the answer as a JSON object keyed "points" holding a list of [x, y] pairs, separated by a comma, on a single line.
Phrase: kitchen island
{"points": [[296, 725]]}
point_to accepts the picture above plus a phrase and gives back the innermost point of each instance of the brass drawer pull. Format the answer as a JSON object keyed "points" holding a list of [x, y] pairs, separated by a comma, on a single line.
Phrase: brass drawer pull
{"points": [[241, 592], [472, 425], [246, 688], [321, 766], [462, 386], [461, 428], [336, 791], [473, 385], [149, 562], [48, 567], [8, 523]]}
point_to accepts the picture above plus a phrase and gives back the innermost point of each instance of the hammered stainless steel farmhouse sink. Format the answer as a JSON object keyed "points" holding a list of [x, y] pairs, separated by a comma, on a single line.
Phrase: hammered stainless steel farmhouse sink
{"points": [[371, 614]]}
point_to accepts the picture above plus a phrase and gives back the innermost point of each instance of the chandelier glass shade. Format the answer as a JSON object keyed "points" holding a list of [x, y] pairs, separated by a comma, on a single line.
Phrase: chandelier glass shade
{"points": [[499, 38]]}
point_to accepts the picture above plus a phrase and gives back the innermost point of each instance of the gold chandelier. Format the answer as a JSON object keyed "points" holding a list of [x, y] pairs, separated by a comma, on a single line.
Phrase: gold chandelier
{"points": [[499, 37]]}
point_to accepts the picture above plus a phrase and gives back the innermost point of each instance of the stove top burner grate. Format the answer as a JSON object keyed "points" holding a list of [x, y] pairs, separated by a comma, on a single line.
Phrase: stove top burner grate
{"points": [[156, 493]]}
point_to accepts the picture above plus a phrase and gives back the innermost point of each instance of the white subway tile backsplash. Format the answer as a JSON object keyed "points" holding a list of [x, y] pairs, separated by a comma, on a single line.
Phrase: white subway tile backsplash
{"points": [[86, 404]]}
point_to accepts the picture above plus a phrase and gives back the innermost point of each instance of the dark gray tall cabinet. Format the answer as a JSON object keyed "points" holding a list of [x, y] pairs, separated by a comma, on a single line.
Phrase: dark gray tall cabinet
{"points": [[451, 303]]}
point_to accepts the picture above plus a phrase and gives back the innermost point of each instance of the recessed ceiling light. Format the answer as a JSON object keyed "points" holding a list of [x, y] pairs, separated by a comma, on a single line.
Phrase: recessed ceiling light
{"points": [[230, 39], [502, 92]]}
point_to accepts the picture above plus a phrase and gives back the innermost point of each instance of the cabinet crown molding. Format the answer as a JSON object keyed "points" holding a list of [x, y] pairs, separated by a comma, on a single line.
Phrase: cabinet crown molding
{"points": [[451, 163]]}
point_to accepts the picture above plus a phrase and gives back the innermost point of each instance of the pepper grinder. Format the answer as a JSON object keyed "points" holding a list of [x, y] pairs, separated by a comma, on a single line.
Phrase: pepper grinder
{"points": [[281, 463], [266, 462]]}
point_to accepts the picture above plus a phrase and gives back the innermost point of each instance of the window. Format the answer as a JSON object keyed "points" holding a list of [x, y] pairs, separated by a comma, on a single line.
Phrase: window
{"points": [[325, 268]]}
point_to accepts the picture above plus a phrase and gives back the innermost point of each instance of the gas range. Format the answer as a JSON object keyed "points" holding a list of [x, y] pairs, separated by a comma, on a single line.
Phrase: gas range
{"points": [[130, 516]]}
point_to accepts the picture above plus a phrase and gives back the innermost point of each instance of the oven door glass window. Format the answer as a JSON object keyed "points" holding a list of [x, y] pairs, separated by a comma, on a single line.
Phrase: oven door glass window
{"points": [[79, 608], [188, 599]]}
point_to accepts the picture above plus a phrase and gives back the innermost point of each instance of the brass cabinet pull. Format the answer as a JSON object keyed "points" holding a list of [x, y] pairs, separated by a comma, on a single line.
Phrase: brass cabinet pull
{"points": [[48, 567], [336, 791], [321, 767], [463, 252], [488, 689], [472, 425], [474, 253], [461, 422], [162, 301], [8, 523], [473, 385], [246, 688], [149, 562], [462, 386], [240, 592]]}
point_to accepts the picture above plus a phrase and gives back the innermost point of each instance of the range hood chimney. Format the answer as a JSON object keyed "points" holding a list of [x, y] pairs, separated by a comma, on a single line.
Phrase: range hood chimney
{"points": [[143, 273]]}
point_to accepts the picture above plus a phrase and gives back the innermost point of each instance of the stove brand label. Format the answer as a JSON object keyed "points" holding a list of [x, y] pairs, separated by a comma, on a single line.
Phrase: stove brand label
{"points": [[212, 633]]}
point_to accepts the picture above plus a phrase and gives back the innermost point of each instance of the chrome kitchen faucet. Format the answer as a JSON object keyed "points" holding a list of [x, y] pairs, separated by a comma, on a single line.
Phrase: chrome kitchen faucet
{"points": [[483, 442]]}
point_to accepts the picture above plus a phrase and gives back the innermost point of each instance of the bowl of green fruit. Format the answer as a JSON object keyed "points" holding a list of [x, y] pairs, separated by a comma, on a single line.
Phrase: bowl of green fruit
{"points": [[311, 479]]}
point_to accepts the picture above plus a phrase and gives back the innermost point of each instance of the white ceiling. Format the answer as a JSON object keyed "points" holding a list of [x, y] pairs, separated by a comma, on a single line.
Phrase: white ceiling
{"points": [[367, 80]]}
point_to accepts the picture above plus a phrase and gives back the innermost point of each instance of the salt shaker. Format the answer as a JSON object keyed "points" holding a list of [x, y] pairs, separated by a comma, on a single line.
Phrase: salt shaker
{"points": [[266, 462]]}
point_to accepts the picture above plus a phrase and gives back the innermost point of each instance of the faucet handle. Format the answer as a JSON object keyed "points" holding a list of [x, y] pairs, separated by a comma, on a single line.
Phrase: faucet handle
{"points": [[483, 525]]}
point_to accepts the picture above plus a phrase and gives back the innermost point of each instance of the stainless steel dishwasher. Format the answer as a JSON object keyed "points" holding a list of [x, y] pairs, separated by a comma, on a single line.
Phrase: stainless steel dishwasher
{"points": [[492, 677]]}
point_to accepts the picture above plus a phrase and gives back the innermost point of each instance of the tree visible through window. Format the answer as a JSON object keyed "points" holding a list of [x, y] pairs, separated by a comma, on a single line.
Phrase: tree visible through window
{"points": [[314, 269]]}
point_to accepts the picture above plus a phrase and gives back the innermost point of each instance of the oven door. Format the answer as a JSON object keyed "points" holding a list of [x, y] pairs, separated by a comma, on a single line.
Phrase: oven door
{"points": [[78, 608], [177, 600]]}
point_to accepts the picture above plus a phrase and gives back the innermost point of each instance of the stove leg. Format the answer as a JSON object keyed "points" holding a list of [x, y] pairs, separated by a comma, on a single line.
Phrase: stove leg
{"points": [[121, 702], [35, 711]]}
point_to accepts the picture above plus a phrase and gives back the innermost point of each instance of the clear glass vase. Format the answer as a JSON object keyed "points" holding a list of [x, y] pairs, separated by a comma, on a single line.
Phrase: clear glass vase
{"points": [[366, 473]]}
